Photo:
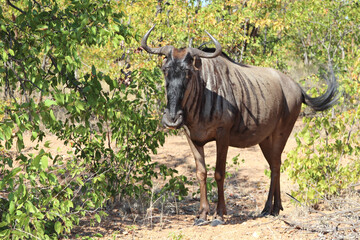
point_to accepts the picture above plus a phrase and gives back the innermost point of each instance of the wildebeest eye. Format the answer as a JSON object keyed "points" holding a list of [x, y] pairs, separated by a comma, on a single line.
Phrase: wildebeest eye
{"points": [[165, 68]]}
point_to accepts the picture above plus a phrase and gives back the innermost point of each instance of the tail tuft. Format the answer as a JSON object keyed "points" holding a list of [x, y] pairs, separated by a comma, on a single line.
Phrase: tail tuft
{"points": [[330, 97]]}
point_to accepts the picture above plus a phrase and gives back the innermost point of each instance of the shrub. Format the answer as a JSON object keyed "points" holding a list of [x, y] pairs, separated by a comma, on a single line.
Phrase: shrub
{"points": [[326, 159], [111, 125]]}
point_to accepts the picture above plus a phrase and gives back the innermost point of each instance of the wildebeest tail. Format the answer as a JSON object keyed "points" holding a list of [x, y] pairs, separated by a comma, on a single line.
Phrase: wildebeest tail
{"points": [[328, 99]]}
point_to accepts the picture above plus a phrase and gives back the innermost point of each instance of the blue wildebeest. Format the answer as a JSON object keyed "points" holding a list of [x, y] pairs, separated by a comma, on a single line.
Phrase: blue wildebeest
{"points": [[238, 105]]}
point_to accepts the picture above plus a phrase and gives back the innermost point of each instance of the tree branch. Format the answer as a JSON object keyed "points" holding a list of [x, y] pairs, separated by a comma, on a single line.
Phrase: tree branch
{"points": [[13, 6], [23, 79], [37, 3], [7, 84]]}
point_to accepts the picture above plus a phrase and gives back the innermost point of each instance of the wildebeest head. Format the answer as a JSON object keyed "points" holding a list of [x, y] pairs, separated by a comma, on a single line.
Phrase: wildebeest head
{"points": [[180, 66]]}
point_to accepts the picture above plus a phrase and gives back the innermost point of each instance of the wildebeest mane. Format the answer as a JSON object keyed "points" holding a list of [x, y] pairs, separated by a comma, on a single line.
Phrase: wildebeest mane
{"points": [[206, 49]]}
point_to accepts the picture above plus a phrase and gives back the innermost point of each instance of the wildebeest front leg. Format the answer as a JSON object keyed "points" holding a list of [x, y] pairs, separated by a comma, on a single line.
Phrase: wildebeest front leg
{"points": [[201, 174], [222, 145]]}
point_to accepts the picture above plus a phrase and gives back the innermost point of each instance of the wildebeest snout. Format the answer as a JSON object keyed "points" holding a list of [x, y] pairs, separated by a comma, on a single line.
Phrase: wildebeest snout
{"points": [[173, 120]]}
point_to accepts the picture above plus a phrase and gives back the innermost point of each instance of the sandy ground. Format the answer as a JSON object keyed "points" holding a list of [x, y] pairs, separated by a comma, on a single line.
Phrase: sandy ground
{"points": [[246, 190]]}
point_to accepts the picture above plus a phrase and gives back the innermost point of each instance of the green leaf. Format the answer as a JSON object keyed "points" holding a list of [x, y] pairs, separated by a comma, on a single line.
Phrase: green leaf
{"points": [[78, 179], [14, 172], [116, 27], [47, 144], [44, 162], [30, 208], [2, 137], [52, 115], [17, 120], [22, 190], [19, 144], [308, 138], [70, 192], [3, 224], [36, 161], [4, 56], [59, 66], [5, 233], [11, 52], [58, 227], [69, 204], [7, 132], [49, 102], [98, 218], [79, 106], [34, 135], [11, 207], [42, 27], [333, 189]]}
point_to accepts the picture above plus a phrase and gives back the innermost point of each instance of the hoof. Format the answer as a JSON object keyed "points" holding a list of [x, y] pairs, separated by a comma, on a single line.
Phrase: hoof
{"points": [[216, 222], [267, 213], [264, 214], [273, 210], [200, 222], [275, 213]]}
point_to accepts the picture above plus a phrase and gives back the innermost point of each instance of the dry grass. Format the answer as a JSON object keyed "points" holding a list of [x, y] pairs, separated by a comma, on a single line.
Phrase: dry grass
{"points": [[337, 218]]}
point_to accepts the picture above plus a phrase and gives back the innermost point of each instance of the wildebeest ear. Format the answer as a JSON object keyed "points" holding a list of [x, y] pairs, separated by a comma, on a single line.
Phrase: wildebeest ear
{"points": [[197, 63]]}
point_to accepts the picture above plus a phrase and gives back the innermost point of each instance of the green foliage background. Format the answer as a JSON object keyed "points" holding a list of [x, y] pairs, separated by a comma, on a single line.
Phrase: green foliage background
{"points": [[74, 69]]}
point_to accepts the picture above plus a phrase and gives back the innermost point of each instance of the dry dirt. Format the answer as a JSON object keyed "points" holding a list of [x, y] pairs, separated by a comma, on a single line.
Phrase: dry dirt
{"points": [[245, 191]]}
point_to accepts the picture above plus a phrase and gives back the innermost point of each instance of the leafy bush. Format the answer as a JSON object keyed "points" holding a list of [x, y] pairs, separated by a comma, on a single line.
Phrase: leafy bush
{"points": [[326, 159], [111, 125]]}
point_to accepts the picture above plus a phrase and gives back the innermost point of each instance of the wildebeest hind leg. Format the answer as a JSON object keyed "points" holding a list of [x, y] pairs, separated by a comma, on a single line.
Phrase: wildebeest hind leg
{"points": [[272, 148]]}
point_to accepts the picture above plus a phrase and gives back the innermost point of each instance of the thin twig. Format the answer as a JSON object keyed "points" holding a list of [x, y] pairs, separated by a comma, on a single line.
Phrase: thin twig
{"points": [[329, 223], [13, 6], [30, 234], [21, 80], [306, 227]]}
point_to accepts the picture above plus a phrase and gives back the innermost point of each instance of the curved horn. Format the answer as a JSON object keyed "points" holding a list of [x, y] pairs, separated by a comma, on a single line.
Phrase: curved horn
{"points": [[161, 50], [203, 54]]}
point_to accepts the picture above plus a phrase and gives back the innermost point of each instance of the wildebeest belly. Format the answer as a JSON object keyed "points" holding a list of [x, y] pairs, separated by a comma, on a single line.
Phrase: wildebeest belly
{"points": [[241, 128], [241, 138]]}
